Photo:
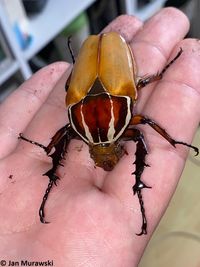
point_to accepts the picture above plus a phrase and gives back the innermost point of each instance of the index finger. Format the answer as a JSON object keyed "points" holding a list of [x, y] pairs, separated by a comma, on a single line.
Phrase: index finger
{"points": [[153, 45], [20, 107]]}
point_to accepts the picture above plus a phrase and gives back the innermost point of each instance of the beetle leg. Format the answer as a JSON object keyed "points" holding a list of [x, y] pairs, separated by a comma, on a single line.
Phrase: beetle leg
{"points": [[140, 155], [59, 142], [152, 78], [30, 141], [139, 119]]}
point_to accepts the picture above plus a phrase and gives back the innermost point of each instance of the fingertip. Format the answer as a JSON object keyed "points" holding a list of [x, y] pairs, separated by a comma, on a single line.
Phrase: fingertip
{"points": [[125, 25], [186, 70], [164, 30], [20, 107], [176, 14]]}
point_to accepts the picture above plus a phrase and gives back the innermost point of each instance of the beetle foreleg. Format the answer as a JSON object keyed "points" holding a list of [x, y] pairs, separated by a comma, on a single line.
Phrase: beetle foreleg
{"points": [[59, 142], [152, 78], [140, 154], [41, 210], [139, 119]]}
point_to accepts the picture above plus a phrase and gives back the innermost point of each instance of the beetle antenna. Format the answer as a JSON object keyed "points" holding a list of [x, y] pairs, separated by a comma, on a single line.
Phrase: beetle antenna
{"points": [[70, 49]]}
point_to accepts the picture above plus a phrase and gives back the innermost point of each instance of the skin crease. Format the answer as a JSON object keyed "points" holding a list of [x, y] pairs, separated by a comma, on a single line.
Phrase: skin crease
{"points": [[94, 215]]}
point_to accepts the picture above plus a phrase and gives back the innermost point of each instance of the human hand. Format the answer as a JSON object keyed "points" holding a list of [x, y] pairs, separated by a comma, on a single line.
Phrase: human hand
{"points": [[93, 214]]}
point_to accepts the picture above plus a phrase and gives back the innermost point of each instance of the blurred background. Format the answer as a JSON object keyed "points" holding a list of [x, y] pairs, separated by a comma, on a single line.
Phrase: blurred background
{"points": [[33, 33]]}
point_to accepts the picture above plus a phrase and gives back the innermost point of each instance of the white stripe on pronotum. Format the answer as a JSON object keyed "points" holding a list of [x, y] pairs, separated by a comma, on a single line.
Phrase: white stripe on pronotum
{"points": [[111, 127], [128, 118], [86, 128]]}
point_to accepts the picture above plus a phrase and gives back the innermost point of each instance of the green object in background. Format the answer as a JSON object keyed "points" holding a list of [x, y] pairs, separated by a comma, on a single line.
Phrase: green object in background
{"points": [[75, 25], [78, 29]]}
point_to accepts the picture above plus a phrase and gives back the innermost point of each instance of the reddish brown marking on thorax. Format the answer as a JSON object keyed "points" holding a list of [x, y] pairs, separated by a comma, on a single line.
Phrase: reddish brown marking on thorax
{"points": [[103, 117], [97, 115]]}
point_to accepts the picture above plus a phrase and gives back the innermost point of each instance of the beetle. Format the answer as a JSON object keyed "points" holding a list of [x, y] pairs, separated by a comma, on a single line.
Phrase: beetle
{"points": [[100, 111]]}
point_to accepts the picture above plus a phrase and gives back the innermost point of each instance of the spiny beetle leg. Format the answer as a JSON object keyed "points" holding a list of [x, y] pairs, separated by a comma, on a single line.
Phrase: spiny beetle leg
{"points": [[152, 78], [41, 210], [140, 155], [139, 119], [59, 142]]}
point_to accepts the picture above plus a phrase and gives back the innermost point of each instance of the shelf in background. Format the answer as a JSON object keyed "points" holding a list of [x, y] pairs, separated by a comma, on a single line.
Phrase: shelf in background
{"points": [[43, 28], [9, 69], [52, 20]]}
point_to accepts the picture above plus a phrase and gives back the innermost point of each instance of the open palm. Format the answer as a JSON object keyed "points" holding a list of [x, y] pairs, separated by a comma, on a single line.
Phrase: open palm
{"points": [[93, 214]]}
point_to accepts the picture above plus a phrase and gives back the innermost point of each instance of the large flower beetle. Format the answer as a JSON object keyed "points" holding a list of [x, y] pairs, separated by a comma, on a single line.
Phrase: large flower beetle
{"points": [[100, 110]]}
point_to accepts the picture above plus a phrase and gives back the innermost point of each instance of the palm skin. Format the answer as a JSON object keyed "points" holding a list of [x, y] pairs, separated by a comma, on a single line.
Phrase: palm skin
{"points": [[93, 214]]}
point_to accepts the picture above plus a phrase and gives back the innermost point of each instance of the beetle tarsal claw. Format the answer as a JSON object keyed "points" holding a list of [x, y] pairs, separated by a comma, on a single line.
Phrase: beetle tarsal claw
{"points": [[43, 221], [196, 150], [143, 230]]}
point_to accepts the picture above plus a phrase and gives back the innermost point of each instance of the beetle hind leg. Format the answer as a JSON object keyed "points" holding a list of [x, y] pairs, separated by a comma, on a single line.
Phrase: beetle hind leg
{"points": [[139, 119], [140, 164]]}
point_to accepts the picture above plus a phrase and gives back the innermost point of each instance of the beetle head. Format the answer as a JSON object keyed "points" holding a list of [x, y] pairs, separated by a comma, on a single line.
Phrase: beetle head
{"points": [[106, 155]]}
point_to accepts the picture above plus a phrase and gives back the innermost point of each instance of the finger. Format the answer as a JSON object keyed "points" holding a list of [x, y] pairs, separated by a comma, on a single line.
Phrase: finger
{"points": [[175, 106], [20, 107], [177, 94], [153, 44], [127, 26], [50, 117]]}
